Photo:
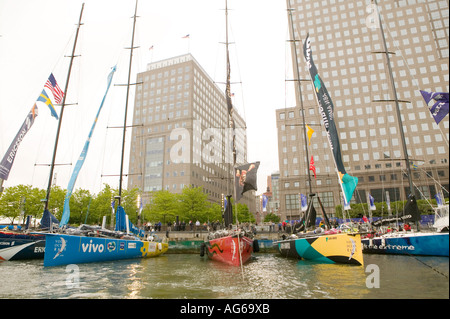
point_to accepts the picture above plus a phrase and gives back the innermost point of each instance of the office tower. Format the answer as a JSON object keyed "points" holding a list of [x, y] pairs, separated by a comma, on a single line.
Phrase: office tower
{"points": [[348, 50], [180, 132]]}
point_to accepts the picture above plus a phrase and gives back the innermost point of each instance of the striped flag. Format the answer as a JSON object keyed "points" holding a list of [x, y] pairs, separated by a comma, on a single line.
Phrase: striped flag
{"points": [[186, 36], [54, 87]]}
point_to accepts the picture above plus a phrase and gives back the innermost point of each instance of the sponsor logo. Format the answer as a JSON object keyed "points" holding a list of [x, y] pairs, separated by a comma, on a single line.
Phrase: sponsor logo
{"points": [[92, 248], [111, 246]]}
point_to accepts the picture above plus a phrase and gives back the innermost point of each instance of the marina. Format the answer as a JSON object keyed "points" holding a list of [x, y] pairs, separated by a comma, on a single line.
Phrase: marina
{"points": [[186, 223]]}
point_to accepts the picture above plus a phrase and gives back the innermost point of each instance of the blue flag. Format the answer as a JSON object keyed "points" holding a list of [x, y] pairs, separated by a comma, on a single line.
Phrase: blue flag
{"points": [[66, 212], [303, 202], [371, 203], [264, 202]]}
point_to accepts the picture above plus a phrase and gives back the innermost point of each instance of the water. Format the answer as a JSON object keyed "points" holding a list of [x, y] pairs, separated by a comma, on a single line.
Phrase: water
{"points": [[268, 276]]}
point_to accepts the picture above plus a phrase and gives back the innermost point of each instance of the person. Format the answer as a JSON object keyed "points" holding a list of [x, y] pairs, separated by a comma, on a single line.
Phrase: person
{"points": [[407, 227], [197, 225]]}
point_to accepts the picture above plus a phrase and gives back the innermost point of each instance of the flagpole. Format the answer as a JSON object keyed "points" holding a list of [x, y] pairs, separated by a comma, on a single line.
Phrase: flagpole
{"points": [[62, 112]]}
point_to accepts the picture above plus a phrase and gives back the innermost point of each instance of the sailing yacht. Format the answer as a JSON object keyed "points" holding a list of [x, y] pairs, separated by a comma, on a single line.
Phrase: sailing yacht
{"points": [[322, 245], [96, 243], [408, 242], [233, 246]]}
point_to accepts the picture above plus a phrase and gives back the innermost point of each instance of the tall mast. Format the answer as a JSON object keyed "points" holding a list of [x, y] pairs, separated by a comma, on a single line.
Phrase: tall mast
{"points": [[52, 166], [126, 104], [231, 123], [399, 117], [291, 24]]}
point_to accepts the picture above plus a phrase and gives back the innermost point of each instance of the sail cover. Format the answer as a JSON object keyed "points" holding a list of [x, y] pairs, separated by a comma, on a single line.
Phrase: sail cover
{"points": [[121, 224], [66, 212], [410, 213], [326, 110]]}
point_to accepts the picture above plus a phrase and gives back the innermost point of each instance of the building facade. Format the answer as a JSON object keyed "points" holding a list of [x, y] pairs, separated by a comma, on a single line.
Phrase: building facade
{"points": [[180, 135], [348, 50]]}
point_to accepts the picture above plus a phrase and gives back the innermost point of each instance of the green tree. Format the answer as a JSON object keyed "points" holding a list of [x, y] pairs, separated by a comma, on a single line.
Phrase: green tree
{"points": [[193, 204], [244, 215], [101, 203], [80, 207], [271, 218], [164, 206]]}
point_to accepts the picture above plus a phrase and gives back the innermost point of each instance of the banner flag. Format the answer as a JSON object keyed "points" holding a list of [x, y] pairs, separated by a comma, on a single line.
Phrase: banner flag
{"points": [[66, 211], [441, 108], [245, 179], [326, 110], [8, 158]]}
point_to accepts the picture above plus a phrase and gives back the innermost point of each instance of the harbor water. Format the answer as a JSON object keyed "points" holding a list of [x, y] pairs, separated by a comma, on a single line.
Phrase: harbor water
{"points": [[266, 276]]}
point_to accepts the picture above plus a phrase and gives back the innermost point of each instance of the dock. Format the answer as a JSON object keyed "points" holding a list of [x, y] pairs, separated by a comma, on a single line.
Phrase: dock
{"points": [[189, 242]]}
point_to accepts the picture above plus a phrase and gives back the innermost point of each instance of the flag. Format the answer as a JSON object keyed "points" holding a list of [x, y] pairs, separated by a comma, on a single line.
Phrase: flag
{"points": [[8, 158], [310, 133], [186, 36], [264, 202], [346, 205], [371, 203], [151, 48], [245, 179], [66, 209], [441, 108], [312, 167], [438, 200], [365, 219], [46, 100], [303, 203], [54, 87], [326, 110]]}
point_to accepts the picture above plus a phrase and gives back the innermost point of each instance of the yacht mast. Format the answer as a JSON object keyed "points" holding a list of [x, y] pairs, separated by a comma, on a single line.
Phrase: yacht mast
{"points": [[291, 24], [126, 104], [52, 166], [399, 117]]}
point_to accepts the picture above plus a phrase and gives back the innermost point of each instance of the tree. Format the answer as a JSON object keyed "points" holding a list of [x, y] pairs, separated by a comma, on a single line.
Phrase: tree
{"points": [[193, 204], [101, 203], [244, 215], [163, 207], [80, 207], [271, 218]]}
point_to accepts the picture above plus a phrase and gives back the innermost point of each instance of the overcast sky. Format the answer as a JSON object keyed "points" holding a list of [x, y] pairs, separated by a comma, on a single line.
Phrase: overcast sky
{"points": [[35, 35]]}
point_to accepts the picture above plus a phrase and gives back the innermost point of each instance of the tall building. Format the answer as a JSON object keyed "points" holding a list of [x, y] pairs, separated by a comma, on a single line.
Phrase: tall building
{"points": [[180, 135], [348, 51]]}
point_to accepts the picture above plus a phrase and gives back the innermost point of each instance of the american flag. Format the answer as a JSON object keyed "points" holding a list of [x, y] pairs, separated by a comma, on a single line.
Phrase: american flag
{"points": [[54, 87]]}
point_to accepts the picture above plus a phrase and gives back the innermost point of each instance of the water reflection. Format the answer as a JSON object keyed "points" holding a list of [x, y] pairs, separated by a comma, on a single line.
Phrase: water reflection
{"points": [[189, 276]]}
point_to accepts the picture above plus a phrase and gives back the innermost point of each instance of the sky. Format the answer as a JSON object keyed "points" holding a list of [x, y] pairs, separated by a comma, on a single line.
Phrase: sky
{"points": [[36, 36]]}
